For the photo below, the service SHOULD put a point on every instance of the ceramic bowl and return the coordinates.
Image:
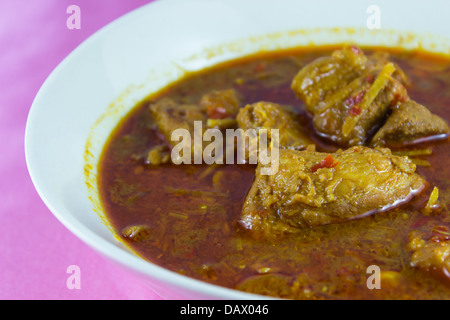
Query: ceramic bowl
(100, 81)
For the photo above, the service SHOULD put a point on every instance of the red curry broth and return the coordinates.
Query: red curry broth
(190, 211)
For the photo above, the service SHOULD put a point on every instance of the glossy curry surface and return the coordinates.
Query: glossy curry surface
(185, 217)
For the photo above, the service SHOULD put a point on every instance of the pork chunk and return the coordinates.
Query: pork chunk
(220, 104)
(353, 120)
(432, 255)
(409, 123)
(349, 94)
(312, 189)
(215, 109)
(321, 78)
(268, 115)
(170, 115)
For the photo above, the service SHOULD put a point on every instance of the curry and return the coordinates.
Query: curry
(363, 178)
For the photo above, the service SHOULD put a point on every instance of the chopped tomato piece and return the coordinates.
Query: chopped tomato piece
(217, 112)
(355, 111)
(328, 162)
(260, 67)
(356, 99)
(370, 78)
(398, 97)
(439, 238)
(441, 229)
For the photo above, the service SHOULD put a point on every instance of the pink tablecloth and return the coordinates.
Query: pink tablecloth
(35, 249)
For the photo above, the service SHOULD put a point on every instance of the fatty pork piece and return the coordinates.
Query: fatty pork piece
(268, 115)
(312, 189)
(221, 104)
(170, 115)
(215, 105)
(432, 255)
(323, 78)
(409, 123)
(215, 109)
(350, 94)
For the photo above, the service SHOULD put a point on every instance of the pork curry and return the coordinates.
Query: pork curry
(363, 178)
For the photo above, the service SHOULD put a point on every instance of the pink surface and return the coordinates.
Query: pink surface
(35, 248)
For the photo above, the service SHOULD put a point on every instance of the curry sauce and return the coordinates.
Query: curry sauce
(185, 217)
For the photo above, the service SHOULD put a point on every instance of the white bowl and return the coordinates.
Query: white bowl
(99, 82)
